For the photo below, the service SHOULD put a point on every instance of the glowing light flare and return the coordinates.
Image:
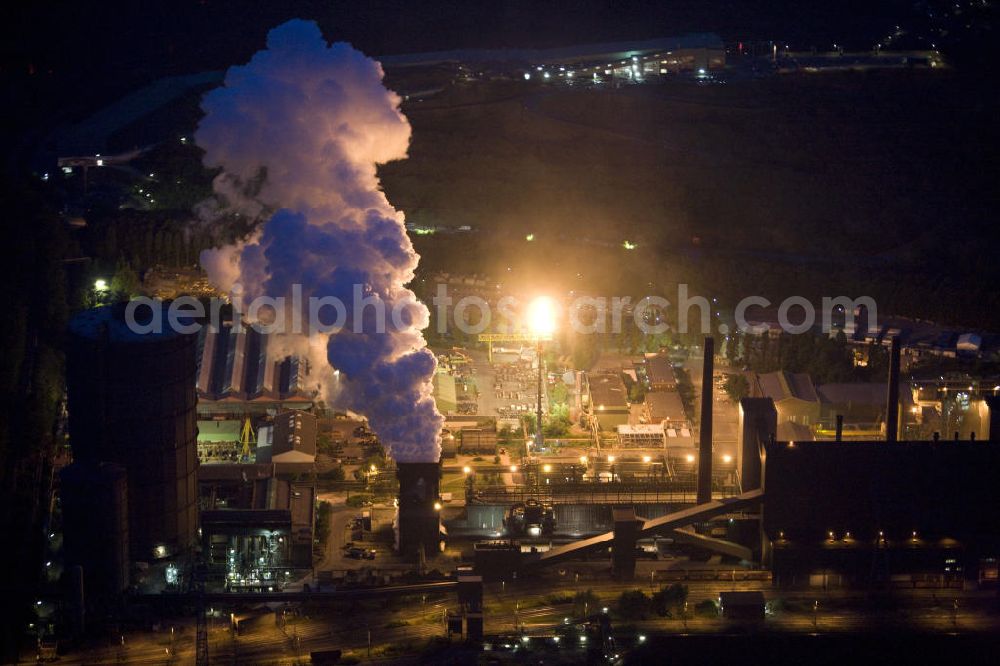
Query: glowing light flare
(542, 317)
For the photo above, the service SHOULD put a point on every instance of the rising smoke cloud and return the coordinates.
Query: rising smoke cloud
(315, 120)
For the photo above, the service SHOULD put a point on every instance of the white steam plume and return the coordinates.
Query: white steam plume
(314, 120)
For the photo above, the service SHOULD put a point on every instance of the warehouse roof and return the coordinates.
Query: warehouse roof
(659, 370)
(784, 385)
(607, 391)
(665, 406)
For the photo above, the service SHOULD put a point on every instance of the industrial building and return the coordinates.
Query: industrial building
(665, 406)
(249, 513)
(793, 394)
(860, 404)
(881, 513)
(219, 441)
(243, 371)
(607, 400)
(132, 403)
(479, 441)
(642, 436)
(688, 52)
(291, 438)
(660, 373)
(807, 411)
(864, 513)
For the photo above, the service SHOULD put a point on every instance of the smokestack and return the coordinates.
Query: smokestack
(892, 402)
(840, 427)
(705, 443)
(758, 421)
(419, 522)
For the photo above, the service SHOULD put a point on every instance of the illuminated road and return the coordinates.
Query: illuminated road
(537, 608)
(837, 611)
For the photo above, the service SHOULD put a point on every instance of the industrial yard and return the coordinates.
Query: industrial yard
(601, 334)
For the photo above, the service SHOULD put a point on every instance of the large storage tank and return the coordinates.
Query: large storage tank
(95, 528)
(132, 402)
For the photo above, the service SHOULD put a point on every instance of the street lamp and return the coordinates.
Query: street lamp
(542, 322)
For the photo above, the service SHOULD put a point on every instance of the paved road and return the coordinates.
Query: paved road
(334, 558)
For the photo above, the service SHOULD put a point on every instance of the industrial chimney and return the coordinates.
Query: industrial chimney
(705, 443)
(419, 522)
(892, 402)
(758, 423)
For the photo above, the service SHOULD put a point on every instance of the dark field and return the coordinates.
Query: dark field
(876, 183)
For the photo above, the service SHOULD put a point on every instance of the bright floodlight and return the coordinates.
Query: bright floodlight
(100, 285)
(542, 317)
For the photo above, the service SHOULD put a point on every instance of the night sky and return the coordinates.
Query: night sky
(63, 58)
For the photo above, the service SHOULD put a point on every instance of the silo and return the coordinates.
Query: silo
(95, 529)
(132, 402)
